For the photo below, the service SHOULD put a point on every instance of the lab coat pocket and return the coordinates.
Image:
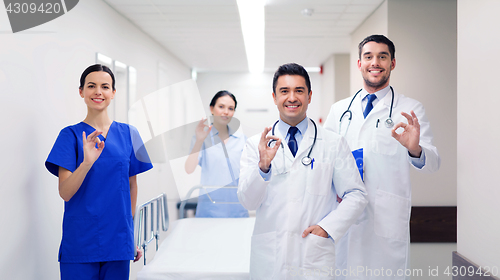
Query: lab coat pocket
(319, 255)
(80, 238)
(392, 215)
(263, 256)
(319, 178)
(384, 143)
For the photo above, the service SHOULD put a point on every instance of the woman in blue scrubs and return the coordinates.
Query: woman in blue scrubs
(97, 162)
(217, 150)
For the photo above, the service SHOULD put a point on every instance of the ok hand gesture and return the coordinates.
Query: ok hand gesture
(90, 152)
(410, 137)
(267, 153)
(202, 130)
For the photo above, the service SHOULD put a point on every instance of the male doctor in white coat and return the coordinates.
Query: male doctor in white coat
(296, 224)
(377, 246)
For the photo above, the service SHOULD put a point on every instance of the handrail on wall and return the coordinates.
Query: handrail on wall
(140, 222)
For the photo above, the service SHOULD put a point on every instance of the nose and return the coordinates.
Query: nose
(292, 97)
(376, 61)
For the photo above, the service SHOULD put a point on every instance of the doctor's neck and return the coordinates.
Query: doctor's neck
(98, 119)
(374, 89)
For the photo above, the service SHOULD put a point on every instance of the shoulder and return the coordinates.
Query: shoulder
(74, 130)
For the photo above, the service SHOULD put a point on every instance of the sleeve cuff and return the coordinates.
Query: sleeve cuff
(417, 162)
(266, 176)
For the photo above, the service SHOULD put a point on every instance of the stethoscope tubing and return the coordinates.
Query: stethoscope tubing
(307, 159)
(389, 122)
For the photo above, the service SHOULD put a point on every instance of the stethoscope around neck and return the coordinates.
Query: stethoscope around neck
(388, 122)
(307, 159)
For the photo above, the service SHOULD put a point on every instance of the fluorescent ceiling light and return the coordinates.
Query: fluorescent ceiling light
(313, 69)
(253, 26)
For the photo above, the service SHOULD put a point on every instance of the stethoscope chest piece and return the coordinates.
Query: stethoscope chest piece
(389, 123)
(306, 161)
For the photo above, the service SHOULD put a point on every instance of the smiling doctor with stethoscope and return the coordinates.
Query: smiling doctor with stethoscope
(394, 133)
(293, 184)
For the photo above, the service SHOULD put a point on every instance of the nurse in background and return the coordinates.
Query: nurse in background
(97, 162)
(217, 150)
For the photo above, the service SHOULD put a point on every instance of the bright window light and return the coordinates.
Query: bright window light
(253, 26)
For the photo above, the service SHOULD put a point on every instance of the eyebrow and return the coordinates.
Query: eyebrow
(367, 53)
(282, 88)
(96, 84)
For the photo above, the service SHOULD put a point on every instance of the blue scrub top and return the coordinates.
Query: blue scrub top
(97, 223)
(215, 172)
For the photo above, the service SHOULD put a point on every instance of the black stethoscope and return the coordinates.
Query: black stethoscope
(388, 122)
(307, 159)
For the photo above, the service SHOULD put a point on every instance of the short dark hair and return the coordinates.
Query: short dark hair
(221, 94)
(291, 69)
(96, 68)
(381, 39)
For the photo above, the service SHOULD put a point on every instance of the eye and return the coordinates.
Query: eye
(232, 109)
(91, 86)
(106, 87)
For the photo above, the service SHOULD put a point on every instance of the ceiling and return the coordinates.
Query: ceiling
(206, 34)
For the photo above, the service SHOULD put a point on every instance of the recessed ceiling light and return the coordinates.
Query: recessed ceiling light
(307, 12)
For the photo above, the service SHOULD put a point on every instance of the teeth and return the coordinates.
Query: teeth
(294, 106)
(375, 71)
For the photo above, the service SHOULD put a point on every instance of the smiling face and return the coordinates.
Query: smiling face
(292, 98)
(223, 110)
(97, 91)
(376, 65)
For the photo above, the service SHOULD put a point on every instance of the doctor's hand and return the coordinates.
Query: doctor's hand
(202, 130)
(139, 254)
(410, 137)
(316, 230)
(90, 152)
(266, 153)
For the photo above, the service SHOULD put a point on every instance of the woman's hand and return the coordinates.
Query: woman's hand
(90, 152)
(202, 130)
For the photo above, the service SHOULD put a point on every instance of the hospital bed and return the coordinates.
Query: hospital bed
(198, 248)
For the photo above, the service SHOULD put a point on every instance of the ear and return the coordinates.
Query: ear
(309, 96)
(81, 92)
(393, 64)
(212, 109)
(359, 64)
(274, 98)
(113, 96)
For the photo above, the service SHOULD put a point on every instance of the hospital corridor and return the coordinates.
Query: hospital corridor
(249, 139)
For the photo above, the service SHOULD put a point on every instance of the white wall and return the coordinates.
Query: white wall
(335, 81)
(424, 33)
(342, 76)
(39, 76)
(478, 135)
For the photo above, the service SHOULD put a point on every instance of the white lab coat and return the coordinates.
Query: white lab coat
(289, 203)
(380, 238)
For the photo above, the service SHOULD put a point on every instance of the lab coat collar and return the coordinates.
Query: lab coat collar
(307, 138)
(385, 101)
(302, 126)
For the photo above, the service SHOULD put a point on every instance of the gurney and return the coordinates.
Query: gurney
(202, 248)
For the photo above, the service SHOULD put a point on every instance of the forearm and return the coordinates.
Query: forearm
(192, 160)
(70, 182)
(133, 193)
